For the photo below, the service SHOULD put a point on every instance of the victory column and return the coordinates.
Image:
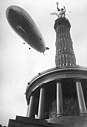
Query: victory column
(58, 96)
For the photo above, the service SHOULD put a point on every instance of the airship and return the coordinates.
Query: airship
(25, 27)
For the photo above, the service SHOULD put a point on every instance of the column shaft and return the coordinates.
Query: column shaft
(41, 104)
(27, 115)
(30, 110)
(59, 100)
(81, 101)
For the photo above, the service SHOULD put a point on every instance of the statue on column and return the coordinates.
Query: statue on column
(61, 12)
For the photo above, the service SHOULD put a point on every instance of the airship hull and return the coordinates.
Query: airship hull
(24, 26)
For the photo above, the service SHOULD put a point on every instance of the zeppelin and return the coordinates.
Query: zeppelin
(24, 26)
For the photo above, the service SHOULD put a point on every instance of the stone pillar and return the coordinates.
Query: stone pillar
(81, 101)
(27, 111)
(41, 104)
(59, 100)
(30, 110)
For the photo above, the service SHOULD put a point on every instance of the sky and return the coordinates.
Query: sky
(18, 64)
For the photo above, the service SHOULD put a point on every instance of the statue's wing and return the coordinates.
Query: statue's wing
(54, 13)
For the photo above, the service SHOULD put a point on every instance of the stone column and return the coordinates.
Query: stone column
(27, 111)
(30, 110)
(81, 101)
(41, 104)
(59, 100)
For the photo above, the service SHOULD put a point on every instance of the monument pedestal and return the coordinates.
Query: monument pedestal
(31, 122)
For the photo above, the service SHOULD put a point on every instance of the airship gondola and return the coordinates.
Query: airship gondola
(24, 26)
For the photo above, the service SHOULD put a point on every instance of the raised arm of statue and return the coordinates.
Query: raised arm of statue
(61, 12)
(57, 6)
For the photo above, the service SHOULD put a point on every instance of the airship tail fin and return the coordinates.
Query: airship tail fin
(47, 48)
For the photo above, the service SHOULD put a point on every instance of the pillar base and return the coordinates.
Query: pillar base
(59, 115)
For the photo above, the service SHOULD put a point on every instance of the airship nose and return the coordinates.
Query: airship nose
(8, 12)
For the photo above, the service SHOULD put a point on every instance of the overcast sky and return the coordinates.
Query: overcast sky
(18, 64)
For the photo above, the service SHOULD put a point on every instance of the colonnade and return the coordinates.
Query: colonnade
(59, 101)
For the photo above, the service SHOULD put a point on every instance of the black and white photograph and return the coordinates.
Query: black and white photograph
(43, 63)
